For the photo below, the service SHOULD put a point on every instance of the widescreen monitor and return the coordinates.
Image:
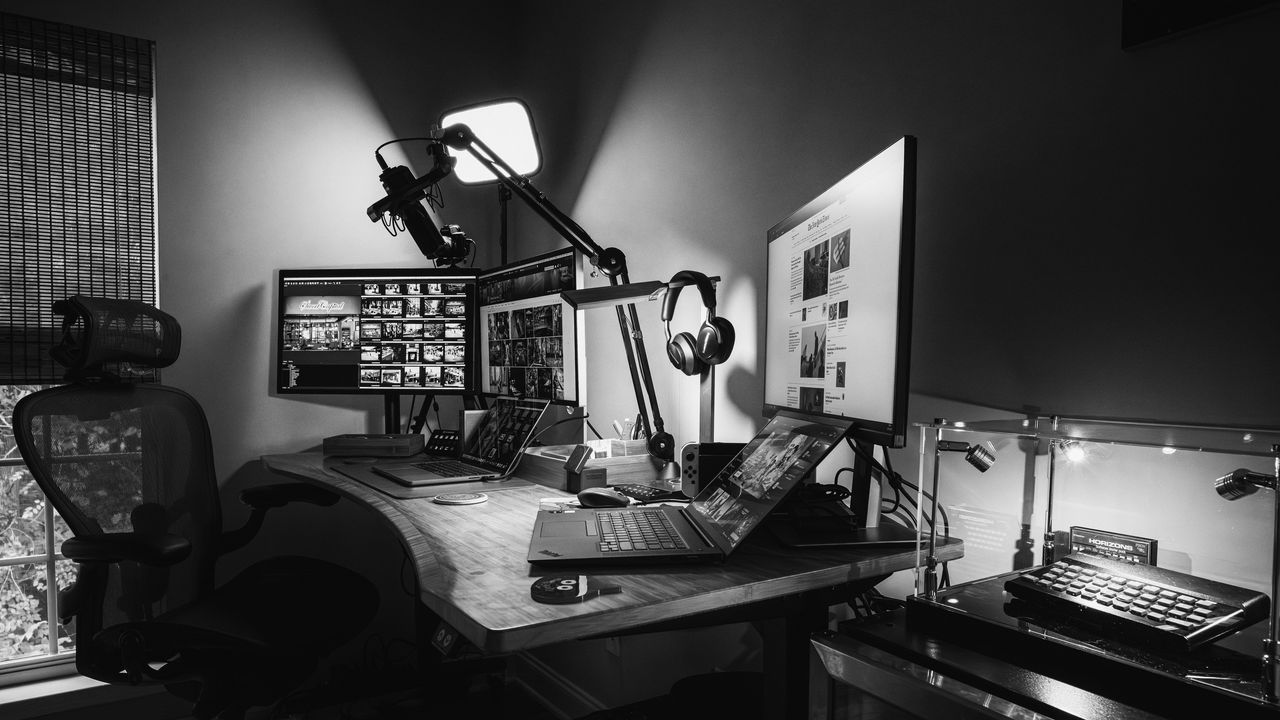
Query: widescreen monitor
(528, 335)
(376, 331)
(838, 300)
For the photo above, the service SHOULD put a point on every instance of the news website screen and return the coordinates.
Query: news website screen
(832, 326)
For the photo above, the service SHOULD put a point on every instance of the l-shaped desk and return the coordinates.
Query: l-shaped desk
(472, 572)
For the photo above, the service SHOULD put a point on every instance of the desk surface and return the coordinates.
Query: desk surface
(472, 571)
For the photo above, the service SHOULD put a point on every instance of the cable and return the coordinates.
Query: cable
(592, 427)
(377, 151)
(561, 421)
(836, 478)
(409, 587)
(895, 480)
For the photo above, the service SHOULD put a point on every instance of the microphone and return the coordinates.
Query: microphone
(403, 202)
(1242, 482)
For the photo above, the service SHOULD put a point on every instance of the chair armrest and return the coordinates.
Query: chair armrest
(156, 550)
(271, 496)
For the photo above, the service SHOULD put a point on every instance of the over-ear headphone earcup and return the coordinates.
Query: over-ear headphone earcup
(682, 350)
(715, 341)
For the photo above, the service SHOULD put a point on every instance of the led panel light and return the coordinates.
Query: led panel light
(506, 126)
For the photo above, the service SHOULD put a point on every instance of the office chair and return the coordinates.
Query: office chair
(129, 467)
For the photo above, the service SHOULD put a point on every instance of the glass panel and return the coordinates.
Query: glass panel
(22, 516)
(65, 571)
(24, 632)
(9, 396)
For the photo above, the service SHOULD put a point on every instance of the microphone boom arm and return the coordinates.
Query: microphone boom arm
(610, 261)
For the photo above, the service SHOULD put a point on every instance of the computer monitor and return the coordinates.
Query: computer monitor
(376, 331)
(838, 300)
(528, 335)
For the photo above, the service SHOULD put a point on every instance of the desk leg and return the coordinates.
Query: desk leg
(786, 657)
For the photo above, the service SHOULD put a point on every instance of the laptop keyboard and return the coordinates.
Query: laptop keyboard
(450, 467)
(630, 530)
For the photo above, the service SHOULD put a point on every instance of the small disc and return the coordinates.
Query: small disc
(460, 498)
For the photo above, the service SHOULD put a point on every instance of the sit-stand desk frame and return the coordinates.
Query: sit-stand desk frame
(472, 572)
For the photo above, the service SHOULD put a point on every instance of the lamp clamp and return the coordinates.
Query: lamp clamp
(611, 261)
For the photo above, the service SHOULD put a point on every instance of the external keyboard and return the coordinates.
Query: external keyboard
(1168, 609)
(647, 493)
(637, 529)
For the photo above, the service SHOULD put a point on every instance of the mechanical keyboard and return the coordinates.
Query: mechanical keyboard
(637, 529)
(1168, 609)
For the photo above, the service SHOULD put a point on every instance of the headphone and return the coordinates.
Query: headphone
(714, 339)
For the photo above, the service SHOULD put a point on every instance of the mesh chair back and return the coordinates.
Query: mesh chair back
(128, 458)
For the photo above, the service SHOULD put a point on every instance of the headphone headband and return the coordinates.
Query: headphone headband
(705, 288)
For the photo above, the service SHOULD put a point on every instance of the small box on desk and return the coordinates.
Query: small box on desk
(364, 445)
(623, 461)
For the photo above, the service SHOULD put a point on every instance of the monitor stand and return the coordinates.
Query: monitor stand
(391, 411)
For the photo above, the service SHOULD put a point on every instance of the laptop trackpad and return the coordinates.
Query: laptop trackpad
(565, 528)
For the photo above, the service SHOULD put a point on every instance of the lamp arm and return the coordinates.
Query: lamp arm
(610, 261)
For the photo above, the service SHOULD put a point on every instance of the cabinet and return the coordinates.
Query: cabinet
(1024, 492)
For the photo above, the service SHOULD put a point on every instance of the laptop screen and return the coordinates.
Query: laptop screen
(764, 472)
(503, 432)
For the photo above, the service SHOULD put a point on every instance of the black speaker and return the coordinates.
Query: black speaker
(701, 462)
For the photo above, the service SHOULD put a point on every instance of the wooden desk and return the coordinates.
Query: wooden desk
(472, 572)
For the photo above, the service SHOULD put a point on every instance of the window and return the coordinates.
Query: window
(30, 533)
(77, 216)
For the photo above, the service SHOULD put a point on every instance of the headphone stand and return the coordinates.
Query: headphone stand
(707, 404)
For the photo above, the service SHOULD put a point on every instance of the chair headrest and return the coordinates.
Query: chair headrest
(97, 332)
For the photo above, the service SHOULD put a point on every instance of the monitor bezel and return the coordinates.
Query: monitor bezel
(890, 433)
(452, 274)
(579, 268)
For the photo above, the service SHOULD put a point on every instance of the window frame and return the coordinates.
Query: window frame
(80, 165)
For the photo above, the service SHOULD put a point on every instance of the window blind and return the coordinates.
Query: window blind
(77, 197)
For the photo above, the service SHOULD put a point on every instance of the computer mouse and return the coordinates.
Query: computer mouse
(601, 497)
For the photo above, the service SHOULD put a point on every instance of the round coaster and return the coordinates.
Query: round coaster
(460, 498)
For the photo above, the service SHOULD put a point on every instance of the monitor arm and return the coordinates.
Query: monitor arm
(609, 261)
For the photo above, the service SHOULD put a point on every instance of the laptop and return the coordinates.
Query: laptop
(491, 453)
(713, 524)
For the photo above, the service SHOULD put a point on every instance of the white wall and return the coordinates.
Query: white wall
(1093, 223)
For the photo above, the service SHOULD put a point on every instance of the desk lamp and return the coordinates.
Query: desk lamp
(402, 208)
